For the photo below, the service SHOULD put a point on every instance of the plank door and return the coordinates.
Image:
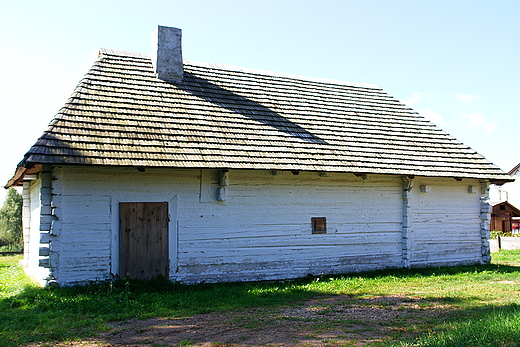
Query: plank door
(143, 240)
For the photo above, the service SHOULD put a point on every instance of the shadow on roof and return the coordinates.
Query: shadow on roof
(224, 98)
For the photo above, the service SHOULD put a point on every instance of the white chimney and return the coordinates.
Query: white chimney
(167, 53)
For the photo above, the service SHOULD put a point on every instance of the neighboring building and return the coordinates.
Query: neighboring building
(503, 197)
(505, 218)
(515, 171)
(203, 172)
(509, 192)
(513, 189)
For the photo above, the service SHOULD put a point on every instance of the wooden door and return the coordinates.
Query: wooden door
(143, 244)
(506, 225)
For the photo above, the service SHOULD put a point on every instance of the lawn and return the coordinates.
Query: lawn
(447, 306)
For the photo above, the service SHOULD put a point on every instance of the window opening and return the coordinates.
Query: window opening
(319, 225)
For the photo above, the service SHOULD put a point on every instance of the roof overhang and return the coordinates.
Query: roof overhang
(500, 182)
(23, 173)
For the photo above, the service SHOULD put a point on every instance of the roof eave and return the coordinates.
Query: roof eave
(21, 172)
(501, 181)
(25, 168)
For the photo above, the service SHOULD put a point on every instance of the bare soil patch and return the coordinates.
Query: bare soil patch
(333, 321)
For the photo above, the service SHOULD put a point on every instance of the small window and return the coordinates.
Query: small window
(319, 225)
(502, 207)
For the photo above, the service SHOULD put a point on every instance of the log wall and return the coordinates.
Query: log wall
(256, 225)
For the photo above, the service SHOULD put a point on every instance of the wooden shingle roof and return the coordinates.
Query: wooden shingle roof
(231, 118)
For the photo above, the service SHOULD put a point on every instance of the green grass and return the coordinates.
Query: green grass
(492, 327)
(494, 324)
(486, 300)
(12, 278)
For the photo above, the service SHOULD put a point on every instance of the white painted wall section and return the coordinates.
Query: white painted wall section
(32, 231)
(445, 223)
(262, 229)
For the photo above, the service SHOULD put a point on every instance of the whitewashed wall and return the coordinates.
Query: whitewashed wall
(263, 228)
(32, 213)
(514, 190)
(446, 222)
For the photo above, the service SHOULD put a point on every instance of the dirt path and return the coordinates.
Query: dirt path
(331, 321)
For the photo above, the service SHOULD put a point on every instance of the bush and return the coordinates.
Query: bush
(495, 233)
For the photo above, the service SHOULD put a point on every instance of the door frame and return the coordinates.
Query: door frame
(172, 226)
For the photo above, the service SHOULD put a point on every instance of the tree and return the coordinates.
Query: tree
(11, 220)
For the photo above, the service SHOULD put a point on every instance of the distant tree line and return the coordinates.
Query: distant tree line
(11, 237)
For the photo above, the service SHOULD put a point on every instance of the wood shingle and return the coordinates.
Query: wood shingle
(229, 118)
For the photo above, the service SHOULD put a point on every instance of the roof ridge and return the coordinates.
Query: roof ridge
(123, 53)
(229, 67)
(235, 68)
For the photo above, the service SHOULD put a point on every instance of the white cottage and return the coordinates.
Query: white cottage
(203, 172)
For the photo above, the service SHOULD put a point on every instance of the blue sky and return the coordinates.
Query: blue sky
(456, 62)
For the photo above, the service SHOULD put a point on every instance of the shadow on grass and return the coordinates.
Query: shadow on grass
(441, 270)
(59, 314)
